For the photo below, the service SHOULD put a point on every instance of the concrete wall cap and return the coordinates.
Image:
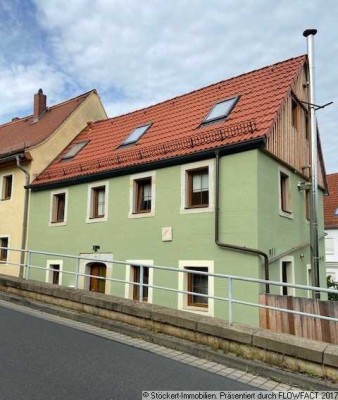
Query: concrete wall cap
(294, 346)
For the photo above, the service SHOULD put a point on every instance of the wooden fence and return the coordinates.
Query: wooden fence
(299, 325)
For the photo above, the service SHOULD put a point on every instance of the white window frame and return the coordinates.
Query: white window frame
(3, 187)
(184, 209)
(283, 213)
(92, 186)
(133, 194)
(182, 300)
(291, 260)
(128, 288)
(51, 205)
(49, 273)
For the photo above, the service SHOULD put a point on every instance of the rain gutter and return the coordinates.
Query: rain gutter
(234, 247)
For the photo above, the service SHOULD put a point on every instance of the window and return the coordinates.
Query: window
(58, 213)
(197, 187)
(221, 110)
(142, 195)
(307, 127)
(295, 114)
(287, 276)
(74, 150)
(136, 270)
(284, 194)
(133, 271)
(329, 245)
(54, 271)
(199, 285)
(135, 135)
(7, 183)
(3, 249)
(307, 204)
(98, 202)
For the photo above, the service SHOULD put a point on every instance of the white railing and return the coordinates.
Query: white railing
(230, 279)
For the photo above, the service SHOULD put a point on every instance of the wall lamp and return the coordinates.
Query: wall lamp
(96, 247)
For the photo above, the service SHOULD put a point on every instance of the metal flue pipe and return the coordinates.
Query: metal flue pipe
(314, 239)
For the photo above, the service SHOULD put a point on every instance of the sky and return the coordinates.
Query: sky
(138, 53)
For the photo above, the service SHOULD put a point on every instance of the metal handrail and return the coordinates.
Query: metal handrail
(230, 279)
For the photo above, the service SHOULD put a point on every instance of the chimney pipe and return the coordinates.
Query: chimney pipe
(314, 240)
(40, 104)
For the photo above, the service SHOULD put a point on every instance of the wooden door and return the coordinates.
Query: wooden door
(97, 284)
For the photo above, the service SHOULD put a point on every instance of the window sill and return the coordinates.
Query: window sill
(197, 210)
(133, 215)
(197, 310)
(57, 223)
(286, 214)
(96, 219)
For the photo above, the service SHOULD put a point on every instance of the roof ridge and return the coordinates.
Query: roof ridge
(19, 119)
(207, 86)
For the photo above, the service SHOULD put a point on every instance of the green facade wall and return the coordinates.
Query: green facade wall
(249, 183)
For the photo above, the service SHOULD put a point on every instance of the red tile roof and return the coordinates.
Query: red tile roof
(331, 202)
(176, 128)
(23, 133)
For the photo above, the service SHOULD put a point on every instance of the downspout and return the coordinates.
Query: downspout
(232, 246)
(25, 216)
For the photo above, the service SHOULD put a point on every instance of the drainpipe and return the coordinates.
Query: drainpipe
(25, 216)
(232, 246)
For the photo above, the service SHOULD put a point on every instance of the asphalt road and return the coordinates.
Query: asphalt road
(40, 359)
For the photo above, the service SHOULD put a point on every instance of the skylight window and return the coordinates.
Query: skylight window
(221, 110)
(136, 134)
(74, 150)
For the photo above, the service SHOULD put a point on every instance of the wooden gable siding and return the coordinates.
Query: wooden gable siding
(291, 145)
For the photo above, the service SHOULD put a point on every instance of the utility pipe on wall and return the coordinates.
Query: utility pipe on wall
(25, 216)
(232, 246)
(314, 247)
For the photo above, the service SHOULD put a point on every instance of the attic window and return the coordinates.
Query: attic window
(74, 150)
(221, 109)
(136, 134)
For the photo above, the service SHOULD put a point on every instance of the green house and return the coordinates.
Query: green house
(206, 182)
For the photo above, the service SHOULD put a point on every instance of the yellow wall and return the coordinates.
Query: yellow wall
(12, 210)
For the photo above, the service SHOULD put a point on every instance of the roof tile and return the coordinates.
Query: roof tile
(23, 133)
(177, 127)
(331, 202)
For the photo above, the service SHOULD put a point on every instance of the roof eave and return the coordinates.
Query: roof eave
(225, 150)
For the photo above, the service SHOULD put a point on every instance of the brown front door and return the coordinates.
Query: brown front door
(97, 284)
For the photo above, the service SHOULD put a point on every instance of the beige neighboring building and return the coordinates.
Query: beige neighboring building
(27, 146)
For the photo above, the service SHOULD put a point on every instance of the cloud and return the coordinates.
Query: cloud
(139, 53)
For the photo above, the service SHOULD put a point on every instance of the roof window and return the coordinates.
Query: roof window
(136, 134)
(221, 109)
(74, 150)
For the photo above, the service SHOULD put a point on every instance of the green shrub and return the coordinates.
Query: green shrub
(331, 284)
